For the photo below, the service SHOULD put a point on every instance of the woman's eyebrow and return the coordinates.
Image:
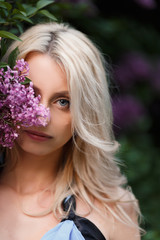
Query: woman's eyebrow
(55, 95)
(60, 94)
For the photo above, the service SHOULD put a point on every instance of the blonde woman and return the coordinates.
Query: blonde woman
(62, 181)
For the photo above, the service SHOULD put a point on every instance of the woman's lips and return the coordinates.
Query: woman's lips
(38, 136)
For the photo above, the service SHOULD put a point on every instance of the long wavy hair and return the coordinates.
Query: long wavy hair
(89, 168)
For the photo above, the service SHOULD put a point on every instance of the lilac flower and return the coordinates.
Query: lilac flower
(18, 105)
(1, 71)
(150, 4)
(21, 67)
(127, 111)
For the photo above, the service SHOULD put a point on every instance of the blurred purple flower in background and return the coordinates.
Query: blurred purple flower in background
(150, 4)
(132, 67)
(91, 8)
(127, 111)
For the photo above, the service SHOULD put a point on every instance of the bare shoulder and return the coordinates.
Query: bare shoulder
(98, 218)
(127, 205)
(127, 201)
(112, 227)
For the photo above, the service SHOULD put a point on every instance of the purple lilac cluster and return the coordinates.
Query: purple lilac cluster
(150, 4)
(133, 67)
(127, 110)
(133, 71)
(19, 107)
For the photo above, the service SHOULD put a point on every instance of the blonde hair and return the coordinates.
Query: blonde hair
(89, 169)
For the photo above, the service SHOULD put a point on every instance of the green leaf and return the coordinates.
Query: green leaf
(6, 5)
(6, 34)
(17, 11)
(20, 7)
(3, 64)
(22, 17)
(30, 10)
(12, 57)
(47, 14)
(3, 48)
(23, 13)
(43, 3)
(20, 27)
(27, 80)
(2, 20)
(4, 13)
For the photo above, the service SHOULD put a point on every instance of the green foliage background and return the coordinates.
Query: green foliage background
(115, 36)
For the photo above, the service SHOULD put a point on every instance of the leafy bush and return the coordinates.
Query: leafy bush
(15, 14)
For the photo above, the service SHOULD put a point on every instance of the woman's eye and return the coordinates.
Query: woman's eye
(64, 103)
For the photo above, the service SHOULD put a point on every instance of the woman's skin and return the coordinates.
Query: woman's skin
(40, 153)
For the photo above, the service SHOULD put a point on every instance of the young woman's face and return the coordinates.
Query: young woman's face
(50, 82)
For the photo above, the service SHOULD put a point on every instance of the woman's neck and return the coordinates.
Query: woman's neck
(31, 173)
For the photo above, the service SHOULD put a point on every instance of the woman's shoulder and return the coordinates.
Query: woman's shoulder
(127, 200)
(130, 229)
(126, 224)
(109, 221)
(104, 225)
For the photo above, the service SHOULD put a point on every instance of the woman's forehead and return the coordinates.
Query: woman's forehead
(46, 74)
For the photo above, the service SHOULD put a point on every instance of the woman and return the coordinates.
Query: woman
(65, 182)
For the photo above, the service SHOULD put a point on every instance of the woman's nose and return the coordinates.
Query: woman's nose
(43, 101)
